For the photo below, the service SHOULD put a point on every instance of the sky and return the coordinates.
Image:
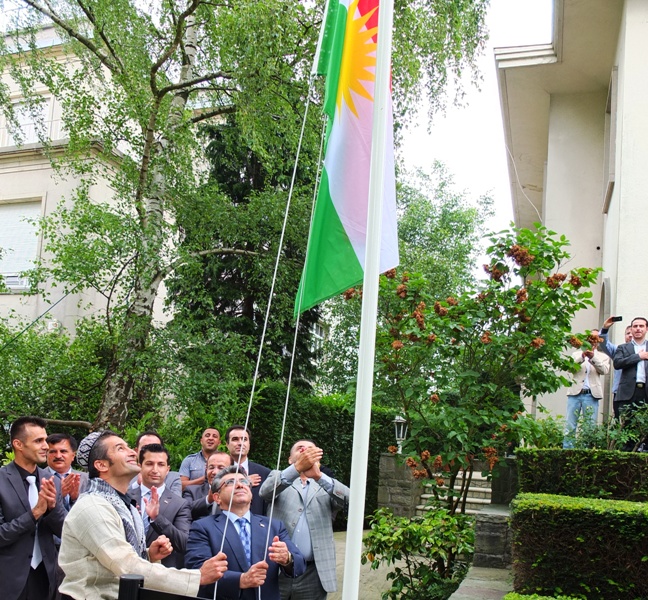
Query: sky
(470, 139)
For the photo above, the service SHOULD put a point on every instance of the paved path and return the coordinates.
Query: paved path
(372, 583)
(480, 584)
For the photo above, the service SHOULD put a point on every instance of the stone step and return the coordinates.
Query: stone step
(471, 503)
(478, 480)
(482, 493)
(477, 492)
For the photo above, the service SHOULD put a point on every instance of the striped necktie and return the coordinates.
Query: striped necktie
(245, 538)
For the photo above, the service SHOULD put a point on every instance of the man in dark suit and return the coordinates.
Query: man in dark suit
(631, 358)
(31, 513)
(237, 439)
(172, 481)
(163, 512)
(200, 497)
(246, 538)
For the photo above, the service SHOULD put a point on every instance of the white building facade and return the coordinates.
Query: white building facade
(575, 116)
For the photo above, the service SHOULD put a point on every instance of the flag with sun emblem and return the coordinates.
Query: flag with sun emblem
(335, 256)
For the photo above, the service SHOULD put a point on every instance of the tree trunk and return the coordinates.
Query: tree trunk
(122, 377)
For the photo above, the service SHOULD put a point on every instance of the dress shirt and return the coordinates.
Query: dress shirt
(641, 365)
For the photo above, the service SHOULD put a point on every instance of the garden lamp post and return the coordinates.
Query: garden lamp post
(400, 429)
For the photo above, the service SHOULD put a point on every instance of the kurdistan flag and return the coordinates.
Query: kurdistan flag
(336, 251)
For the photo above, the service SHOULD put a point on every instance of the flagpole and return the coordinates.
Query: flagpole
(367, 348)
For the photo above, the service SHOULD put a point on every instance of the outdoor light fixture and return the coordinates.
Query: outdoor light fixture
(400, 429)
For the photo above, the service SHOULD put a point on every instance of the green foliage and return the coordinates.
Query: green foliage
(135, 84)
(458, 366)
(625, 433)
(439, 233)
(584, 473)
(533, 432)
(51, 374)
(423, 550)
(224, 296)
(588, 548)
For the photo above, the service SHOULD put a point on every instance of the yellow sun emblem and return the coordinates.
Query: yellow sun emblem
(358, 57)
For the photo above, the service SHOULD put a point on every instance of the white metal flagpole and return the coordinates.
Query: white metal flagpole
(367, 348)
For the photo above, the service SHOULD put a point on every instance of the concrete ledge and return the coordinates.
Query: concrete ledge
(484, 584)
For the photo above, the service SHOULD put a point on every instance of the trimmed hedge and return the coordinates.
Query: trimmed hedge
(584, 473)
(329, 422)
(514, 596)
(590, 548)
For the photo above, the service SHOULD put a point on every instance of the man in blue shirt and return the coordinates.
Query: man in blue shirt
(609, 348)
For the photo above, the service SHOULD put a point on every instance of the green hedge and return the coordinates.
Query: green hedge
(514, 596)
(584, 473)
(329, 422)
(590, 548)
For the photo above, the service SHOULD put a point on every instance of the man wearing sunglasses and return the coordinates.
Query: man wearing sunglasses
(256, 547)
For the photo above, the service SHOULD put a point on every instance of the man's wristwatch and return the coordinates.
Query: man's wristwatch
(291, 560)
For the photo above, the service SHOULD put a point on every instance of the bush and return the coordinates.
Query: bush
(584, 473)
(584, 547)
(435, 548)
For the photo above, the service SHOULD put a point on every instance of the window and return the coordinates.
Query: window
(29, 124)
(18, 240)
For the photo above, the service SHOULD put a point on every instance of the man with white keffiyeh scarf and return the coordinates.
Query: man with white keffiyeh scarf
(103, 534)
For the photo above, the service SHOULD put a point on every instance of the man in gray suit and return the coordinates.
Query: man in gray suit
(163, 512)
(30, 515)
(172, 480)
(61, 452)
(306, 500)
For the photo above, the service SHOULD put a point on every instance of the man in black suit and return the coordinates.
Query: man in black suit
(237, 439)
(632, 359)
(163, 512)
(31, 513)
(200, 497)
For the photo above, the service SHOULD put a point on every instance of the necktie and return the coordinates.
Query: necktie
(37, 556)
(245, 538)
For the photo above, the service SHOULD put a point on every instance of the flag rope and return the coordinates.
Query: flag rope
(265, 324)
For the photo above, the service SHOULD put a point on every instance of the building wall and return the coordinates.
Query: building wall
(573, 193)
(26, 174)
(628, 215)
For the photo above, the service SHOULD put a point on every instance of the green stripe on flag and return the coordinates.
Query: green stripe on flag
(331, 53)
(331, 265)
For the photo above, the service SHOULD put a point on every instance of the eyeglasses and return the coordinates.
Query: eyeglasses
(233, 482)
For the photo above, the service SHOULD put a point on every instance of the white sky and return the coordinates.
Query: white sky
(470, 139)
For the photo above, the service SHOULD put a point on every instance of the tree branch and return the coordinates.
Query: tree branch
(66, 423)
(226, 110)
(181, 261)
(50, 14)
(191, 82)
(88, 13)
